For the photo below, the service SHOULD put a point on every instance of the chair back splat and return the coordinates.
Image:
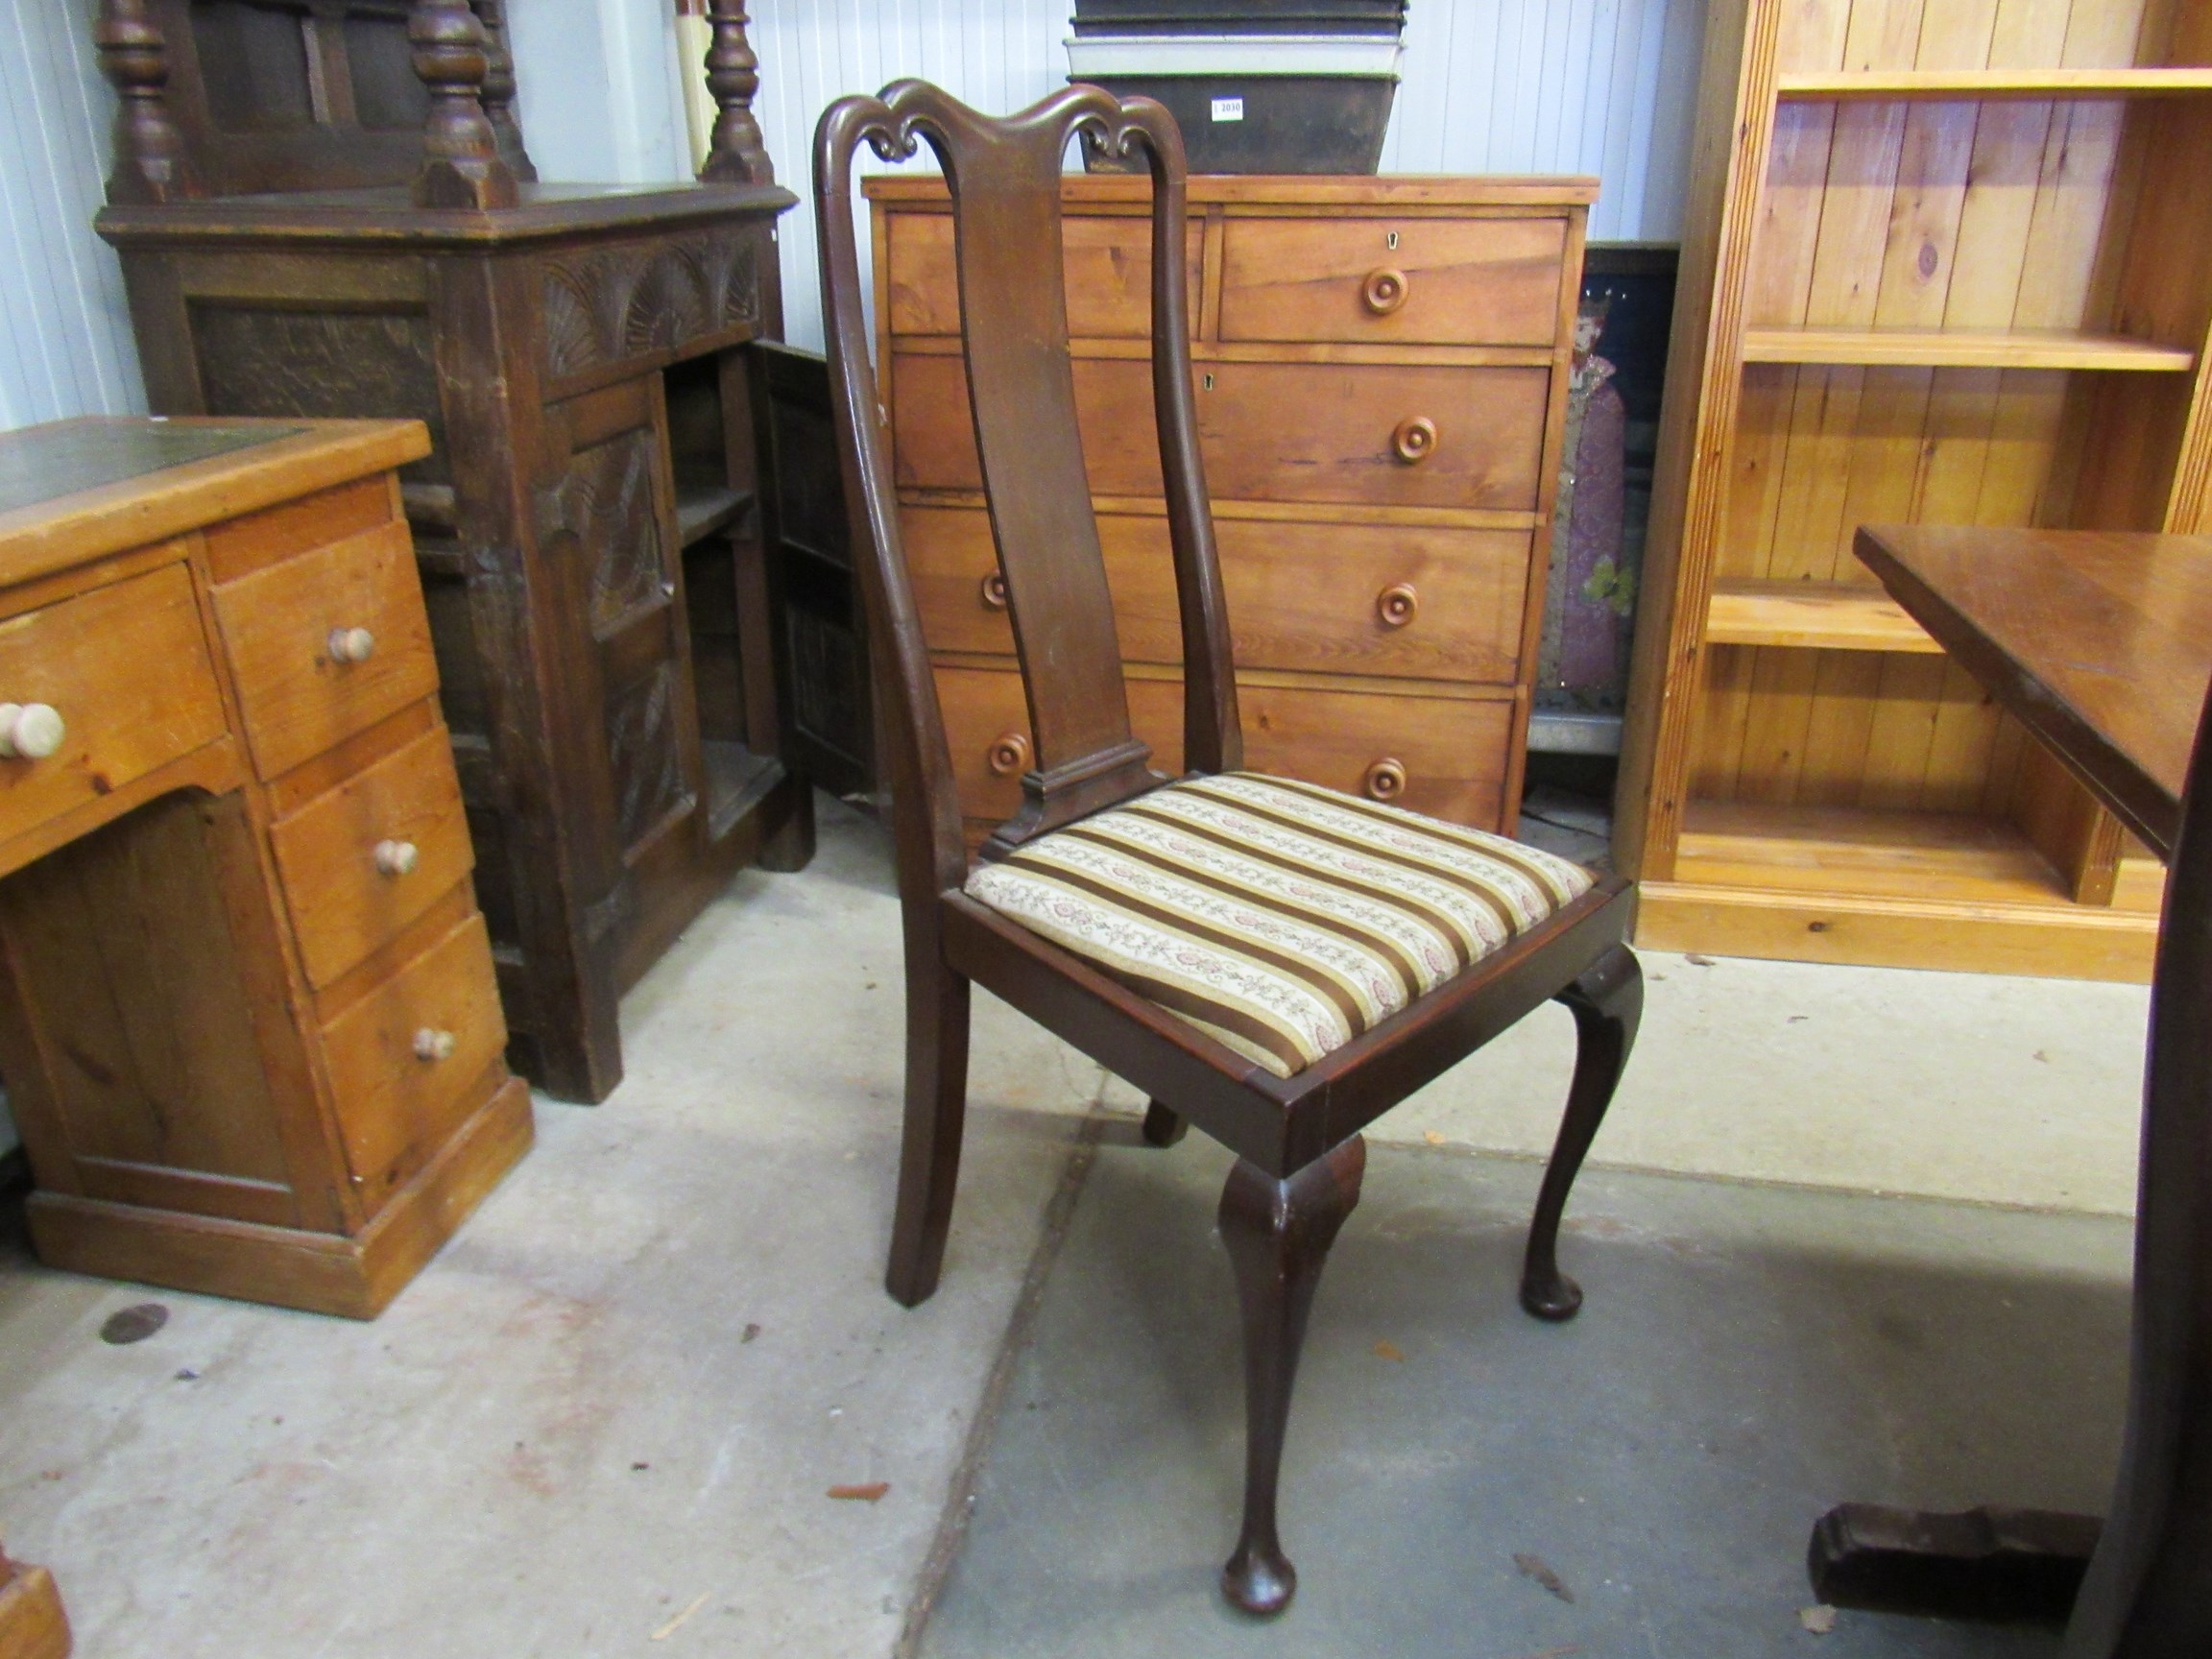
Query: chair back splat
(1005, 176)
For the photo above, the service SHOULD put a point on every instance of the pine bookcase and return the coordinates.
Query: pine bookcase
(1946, 262)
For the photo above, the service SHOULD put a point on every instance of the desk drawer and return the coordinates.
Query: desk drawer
(1413, 435)
(1394, 600)
(1427, 282)
(406, 1061)
(1444, 755)
(125, 668)
(302, 694)
(362, 861)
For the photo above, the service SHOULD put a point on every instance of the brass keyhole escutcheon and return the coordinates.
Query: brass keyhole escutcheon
(1386, 779)
(1391, 241)
(1209, 383)
(995, 590)
(1398, 605)
(1415, 439)
(1009, 753)
(1383, 291)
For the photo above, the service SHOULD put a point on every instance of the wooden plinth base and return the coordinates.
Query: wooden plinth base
(2004, 1564)
(31, 1622)
(318, 1272)
(2055, 941)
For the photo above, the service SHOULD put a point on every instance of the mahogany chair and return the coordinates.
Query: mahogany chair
(1277, 963)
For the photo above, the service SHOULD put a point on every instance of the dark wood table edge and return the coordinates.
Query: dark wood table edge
(2146, 812)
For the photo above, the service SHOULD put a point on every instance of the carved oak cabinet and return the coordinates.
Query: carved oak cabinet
(585, 525)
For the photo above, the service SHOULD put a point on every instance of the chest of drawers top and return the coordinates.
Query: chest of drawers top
(1470, 262)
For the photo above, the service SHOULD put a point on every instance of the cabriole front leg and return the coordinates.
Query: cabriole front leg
(1607, 1001)
(1278, 1235)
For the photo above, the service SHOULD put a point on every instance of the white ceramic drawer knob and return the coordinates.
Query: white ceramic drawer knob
(29, 731)
(352, 644)
(433, 1045)
(395, 857)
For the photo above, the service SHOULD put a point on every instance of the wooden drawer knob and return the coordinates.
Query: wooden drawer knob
(352, 644)
(29, 731)
(1398, 605)
(395, 857)
(1009, 753)
(1415, 439)
(1386, 779)
(995, 590)
(1383, 291)
(433, 1045)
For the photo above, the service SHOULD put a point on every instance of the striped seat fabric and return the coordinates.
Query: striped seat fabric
(1278, 918)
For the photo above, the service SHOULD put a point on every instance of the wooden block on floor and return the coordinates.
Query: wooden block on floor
(33, 1625)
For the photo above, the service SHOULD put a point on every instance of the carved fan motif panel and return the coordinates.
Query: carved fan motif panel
(644, 745)
(605, 501)
(604, 306)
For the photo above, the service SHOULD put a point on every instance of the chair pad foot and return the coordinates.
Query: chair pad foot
(1259, 1582)
(1556, 1301)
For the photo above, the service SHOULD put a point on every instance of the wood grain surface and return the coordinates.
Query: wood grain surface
(2101, 641)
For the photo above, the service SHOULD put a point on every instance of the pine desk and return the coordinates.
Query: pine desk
(248, 1019)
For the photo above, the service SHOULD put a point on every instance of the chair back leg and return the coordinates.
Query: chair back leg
(936, 1110)
(1607, 1001)
(1278, 1235)
(1164, 1125)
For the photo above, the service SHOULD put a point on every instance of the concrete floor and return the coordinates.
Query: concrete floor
(568, 1438)
(1747, 1357)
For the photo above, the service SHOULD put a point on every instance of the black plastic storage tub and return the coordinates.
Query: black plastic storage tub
(1301, 86)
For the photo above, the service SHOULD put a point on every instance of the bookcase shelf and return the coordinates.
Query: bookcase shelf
(1978, 84)
(1815, 615)
(1966, 348)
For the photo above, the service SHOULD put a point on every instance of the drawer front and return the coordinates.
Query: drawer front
(1109, 262)
(1311, 598)
(127, 669)
(299, 694)
(1451, 752)
(1445, 757)
(1356, 434)
(1427, 282)
(363, 860)
(987, 726)
(393, 1101)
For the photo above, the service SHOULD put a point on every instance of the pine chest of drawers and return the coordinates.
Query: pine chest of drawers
(249, 1017)
(1381, 376)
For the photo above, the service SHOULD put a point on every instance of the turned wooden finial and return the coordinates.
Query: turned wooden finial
(152, 164)
(735, 154)
(499, 89)
(462, 166)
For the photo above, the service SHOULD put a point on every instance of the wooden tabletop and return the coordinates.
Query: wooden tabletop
(78, 489)
(2099, 642)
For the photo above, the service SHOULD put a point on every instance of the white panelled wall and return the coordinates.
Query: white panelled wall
(64, 337)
